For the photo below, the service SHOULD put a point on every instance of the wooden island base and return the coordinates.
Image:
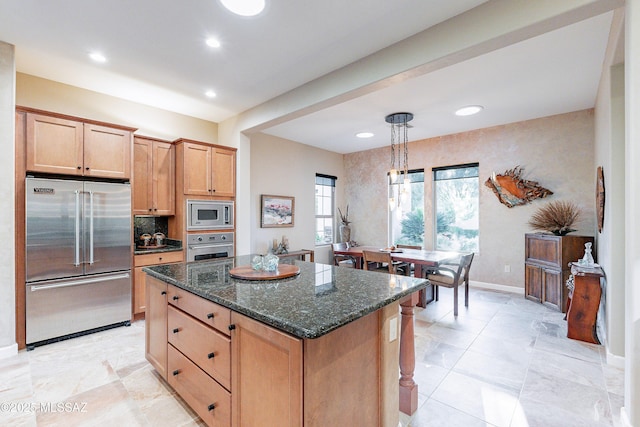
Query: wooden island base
(348, 377)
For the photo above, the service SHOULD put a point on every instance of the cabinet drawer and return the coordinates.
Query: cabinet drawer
(205, 396)
(209, 313)
(158, 258)
(208, 349)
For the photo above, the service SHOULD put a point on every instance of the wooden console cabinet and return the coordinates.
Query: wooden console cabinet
(547, 259)
(584, 302)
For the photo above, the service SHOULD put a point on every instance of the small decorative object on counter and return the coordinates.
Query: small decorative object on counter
(257, 263)
(159, 238)
(587, 259)
(270, 263)
(146, 239)
(282, 247)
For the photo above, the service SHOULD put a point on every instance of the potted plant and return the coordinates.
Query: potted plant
(556, 217)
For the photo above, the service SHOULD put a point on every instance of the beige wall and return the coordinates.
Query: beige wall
(556, 151)
(35, 92)
(8, 344)
(286, 168)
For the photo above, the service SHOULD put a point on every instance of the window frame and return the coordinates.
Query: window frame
(322, 180)
(435, 171)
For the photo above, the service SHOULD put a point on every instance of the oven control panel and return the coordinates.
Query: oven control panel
(202, 238)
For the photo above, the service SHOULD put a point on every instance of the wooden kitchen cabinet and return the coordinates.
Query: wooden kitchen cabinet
(547, 259)
(234, 370)
(278, 372)
(153, 177)
(206, 170)
(139, 276)
(156, 325)
(62, 145)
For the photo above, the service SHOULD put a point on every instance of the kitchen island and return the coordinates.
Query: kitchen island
(317, 349)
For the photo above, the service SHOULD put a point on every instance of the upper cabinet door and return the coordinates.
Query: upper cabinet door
(142, 176)
(54, 145)
(197, 169)
(224, 172)
(164, 173)
(107, 152)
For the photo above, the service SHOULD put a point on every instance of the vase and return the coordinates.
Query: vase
(345, 233)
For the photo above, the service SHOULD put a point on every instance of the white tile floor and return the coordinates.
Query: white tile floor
(504, 361)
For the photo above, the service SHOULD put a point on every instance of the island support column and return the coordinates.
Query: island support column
(408, 388)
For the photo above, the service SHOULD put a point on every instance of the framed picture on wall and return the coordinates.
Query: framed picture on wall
(277, 211)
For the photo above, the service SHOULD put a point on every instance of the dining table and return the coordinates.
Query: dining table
(422, 260)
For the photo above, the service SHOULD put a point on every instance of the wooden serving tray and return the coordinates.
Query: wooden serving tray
(248, 273)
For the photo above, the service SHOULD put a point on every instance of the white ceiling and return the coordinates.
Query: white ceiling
(157, 56)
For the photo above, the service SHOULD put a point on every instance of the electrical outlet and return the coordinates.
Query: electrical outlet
(507, 268)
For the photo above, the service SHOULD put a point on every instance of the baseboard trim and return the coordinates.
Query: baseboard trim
(8, 351)
(496, 287)
(614, 360)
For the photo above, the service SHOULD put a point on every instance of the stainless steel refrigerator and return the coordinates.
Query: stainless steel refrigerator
(78, 256)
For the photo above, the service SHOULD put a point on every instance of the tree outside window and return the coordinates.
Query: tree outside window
(456, 193)
(406, 213)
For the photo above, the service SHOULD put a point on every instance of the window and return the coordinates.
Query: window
(325, 192)
(456, 196)
(406, 214)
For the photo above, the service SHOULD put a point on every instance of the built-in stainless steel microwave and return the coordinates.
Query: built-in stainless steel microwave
(209, 215)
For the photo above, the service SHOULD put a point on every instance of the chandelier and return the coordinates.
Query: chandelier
(399, 155)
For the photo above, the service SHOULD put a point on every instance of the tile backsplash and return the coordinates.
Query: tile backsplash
(149, 225)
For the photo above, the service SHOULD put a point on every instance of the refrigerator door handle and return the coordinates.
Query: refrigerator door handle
(79, 282)
(91, 227)
(76, 261)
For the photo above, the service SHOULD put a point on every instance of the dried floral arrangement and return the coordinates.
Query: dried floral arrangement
(344, 219)
(556, 217)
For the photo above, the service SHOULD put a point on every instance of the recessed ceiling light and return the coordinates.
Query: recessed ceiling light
(244, 7)
(364, 135)
(213, 42)
(98, 57)
(469, 110)
(210, 94)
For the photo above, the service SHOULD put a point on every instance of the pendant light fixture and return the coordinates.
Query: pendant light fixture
(399, 154)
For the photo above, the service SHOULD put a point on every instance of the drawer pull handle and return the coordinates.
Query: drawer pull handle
(210, 316)
(176, 372)
(163, 293)
(211, 407)
(176, 330)
(232, 327)
(176, 297)
(210, 355)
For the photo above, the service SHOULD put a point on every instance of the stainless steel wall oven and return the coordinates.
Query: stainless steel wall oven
(209, 245)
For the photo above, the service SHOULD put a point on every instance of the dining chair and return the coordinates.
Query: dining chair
(342, 260)
(378, 261)
(453, 276)
(407, 267)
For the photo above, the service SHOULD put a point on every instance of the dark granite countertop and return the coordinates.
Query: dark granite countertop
(172, 246)
(315, 302)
